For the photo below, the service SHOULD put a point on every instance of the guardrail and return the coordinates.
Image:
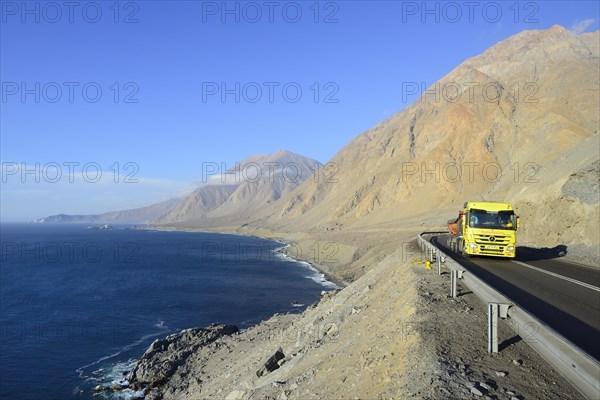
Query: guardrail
(575, 365)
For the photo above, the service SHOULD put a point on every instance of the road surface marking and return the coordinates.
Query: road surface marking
(587, 285)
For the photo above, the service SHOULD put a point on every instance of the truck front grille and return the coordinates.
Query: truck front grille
(492, 244)
(493, 240)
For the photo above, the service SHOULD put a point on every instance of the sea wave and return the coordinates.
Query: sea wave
(159, 324)
(115, 375)
(314, 273)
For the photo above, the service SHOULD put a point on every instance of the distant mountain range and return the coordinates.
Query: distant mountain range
(251, 184)
(142, 215)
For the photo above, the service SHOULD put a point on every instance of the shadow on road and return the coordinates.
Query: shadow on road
(543, 253)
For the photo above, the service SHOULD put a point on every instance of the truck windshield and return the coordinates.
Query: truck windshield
(492, 219)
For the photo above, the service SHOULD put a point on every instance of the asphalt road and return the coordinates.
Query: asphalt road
(563, 295)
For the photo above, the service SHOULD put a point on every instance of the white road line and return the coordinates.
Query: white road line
(575, 281)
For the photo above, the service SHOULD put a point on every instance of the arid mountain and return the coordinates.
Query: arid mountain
(198, 204)
(518, 123)
(141, 215)
(251, 184)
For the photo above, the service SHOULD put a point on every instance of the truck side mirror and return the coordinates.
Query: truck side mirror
(518, 222)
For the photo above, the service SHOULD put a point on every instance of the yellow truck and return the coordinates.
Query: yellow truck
(485, 228)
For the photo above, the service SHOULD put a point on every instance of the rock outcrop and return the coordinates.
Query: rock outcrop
(163, 357)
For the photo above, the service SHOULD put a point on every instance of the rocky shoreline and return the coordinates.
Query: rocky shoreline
(158, 364)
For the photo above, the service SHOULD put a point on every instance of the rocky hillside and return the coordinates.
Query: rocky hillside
(252, 183)
(142, 215)
(517, 123)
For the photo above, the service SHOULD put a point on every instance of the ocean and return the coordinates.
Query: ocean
(79, 305)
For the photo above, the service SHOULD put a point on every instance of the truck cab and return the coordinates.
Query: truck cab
(485, 228)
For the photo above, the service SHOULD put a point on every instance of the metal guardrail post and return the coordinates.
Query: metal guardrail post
(431, 254)
(453, 283)
(495, 310)
(493, 327)
(439, 264)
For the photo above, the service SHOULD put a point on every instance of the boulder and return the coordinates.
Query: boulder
(272, 363)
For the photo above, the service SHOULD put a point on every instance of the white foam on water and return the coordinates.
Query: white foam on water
(81, 370)
(113, 375)
(116, 374)
(108, 377)
(315, 274)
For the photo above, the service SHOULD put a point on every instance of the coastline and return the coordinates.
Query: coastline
(127, 387)
(327, 275)
(327, 279)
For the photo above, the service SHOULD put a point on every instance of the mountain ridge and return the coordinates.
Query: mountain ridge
(251, 183)
(140, 215)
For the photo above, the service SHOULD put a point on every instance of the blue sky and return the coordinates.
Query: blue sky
(152, 89)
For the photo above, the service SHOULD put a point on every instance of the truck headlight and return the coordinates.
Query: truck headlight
(510, 248)
(472, 245)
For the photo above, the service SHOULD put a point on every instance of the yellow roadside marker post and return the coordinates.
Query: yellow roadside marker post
(426, 262)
